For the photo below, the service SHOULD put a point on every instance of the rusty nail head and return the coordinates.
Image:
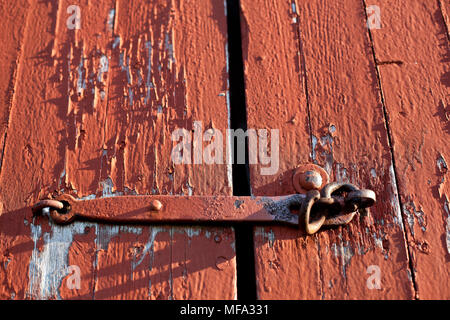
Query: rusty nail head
(155, 205)
(310, 180)
(309, 177)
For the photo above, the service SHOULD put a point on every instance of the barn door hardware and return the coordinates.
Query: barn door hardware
(335, 204)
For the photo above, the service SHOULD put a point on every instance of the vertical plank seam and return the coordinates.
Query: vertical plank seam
(444, 18)
(304, 78)
(11, 91)
(303, 74)
(246, 282)
(5, 136)
(391, 150)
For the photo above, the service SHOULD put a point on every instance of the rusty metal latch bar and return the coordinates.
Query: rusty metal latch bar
(335, 204)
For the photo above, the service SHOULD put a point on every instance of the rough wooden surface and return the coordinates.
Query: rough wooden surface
(327, 45)
(416, 92)
(91, 115)
(13, 25)
(90, 112)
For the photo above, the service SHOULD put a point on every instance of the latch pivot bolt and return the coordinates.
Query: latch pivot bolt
(309, 177)
(310, 180)
(155, 205)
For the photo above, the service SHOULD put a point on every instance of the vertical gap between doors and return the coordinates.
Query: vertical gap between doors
(245, 254)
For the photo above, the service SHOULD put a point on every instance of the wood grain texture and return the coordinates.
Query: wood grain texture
(92, 116)
(325, 45)
(90, 112)
(416, 93)
(13, 24)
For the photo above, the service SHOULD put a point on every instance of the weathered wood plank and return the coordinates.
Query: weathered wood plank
(42, 129)
(167, 263)
(272, 59)
(417, 97)
(349, 139)
(13, 24)
(32, 126)
(156, 87)
(82, 132)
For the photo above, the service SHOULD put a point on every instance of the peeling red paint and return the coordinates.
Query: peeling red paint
(91, 115)
(332, 87)
(89, 112)
(416, 97)
(14, 22)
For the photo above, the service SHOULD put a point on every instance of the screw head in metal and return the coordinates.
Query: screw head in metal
(155, 205)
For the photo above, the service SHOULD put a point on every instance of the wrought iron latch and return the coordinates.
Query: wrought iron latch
(335, 204)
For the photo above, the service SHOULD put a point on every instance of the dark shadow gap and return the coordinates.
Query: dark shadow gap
(2, 155)
(245, 254)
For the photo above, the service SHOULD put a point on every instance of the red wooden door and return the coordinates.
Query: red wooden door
(90, 112)
(369, 105)
(92, 91)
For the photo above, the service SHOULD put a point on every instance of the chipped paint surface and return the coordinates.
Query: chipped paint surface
(441, 164)
(102, 101)
(268, 237)
(420, 135)
(50, 265)
(345, 253)
(414, 215)
(345, 129)
(394, 198)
